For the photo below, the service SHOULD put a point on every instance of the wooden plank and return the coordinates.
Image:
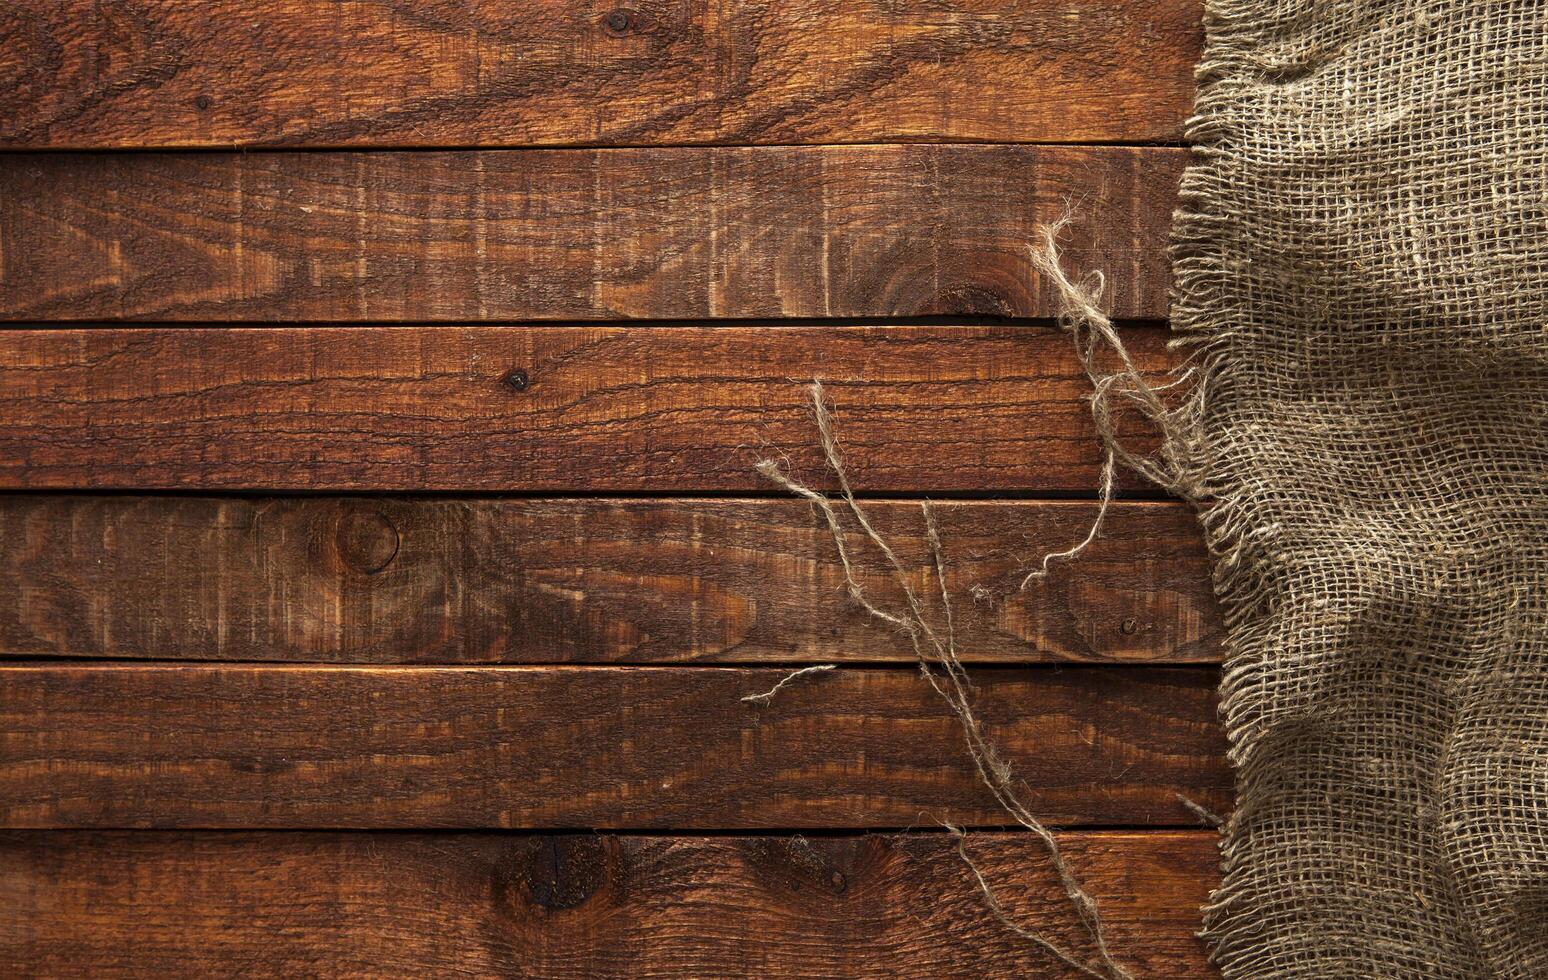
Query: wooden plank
(576, 234)
(593, 409)
(584, 906)
(609, 747)
(374, 580)
(158, 73)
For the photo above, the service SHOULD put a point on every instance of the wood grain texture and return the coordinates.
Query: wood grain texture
(155, 73)
(594, 409)
(378, 580)
(584, 906)
(576, 234)
(609, 747)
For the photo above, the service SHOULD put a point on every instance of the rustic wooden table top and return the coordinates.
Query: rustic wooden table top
(384, 563)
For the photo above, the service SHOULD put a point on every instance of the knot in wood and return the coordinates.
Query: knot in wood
(972, 300)
(621, 21)
(820, 867)
(562, 872)
(367, 541)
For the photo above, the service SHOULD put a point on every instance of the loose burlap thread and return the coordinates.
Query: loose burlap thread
(935, 648)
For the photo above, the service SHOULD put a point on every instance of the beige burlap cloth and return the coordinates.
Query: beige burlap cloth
(1362, 262)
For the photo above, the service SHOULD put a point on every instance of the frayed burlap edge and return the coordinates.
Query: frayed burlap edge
(1202, 260)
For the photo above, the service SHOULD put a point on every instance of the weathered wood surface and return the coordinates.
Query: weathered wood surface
(381, 580)
(584, 906)
(155, 73)
(593, 409)
(576, 234)
(608, 747)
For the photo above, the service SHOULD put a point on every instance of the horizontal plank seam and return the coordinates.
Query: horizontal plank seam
(1135, 497)
(909, 664)
(1084, 828)
(1114, 831)
(934, 321)
(278, 148)
(771, 668)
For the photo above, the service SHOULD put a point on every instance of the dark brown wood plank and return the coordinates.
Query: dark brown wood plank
(673, 409)
(379, 580)
(576, 234)
(612, 747)
(156, 73)
(584, 906)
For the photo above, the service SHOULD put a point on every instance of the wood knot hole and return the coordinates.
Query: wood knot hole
(367, 541)
(621, 21)
(565, 871)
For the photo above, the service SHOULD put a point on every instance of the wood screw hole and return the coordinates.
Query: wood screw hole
(516, 379)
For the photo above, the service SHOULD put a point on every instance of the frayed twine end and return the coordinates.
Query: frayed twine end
(768, 695)
(1206, 816)
(1174, 466)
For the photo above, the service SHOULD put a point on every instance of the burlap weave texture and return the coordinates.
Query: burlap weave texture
(1361, 263)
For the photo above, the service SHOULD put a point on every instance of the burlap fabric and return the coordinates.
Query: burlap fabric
(1361, 260)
